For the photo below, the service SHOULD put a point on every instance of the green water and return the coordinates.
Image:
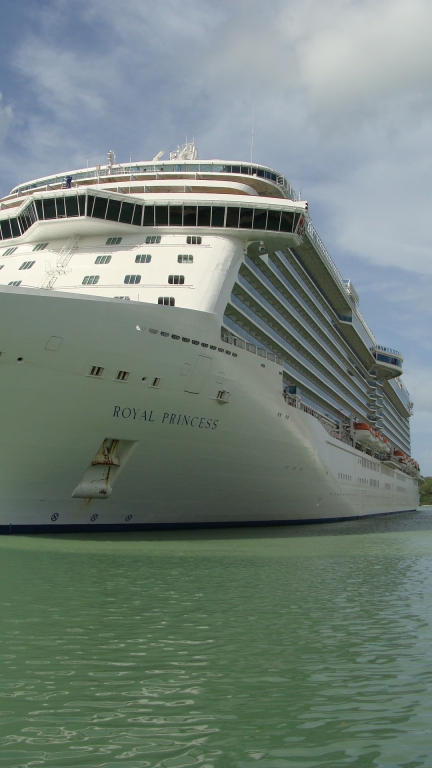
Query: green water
(258, 648)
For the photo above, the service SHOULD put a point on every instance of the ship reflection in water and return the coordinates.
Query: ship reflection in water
(273, 647)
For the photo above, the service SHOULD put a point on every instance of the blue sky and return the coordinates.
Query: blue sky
(342, 100)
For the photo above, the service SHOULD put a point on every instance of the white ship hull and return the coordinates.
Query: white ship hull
(185, 458)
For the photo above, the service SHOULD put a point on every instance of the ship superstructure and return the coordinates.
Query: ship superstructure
(235, 305)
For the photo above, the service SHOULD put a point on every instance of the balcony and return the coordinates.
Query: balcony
(388, 362)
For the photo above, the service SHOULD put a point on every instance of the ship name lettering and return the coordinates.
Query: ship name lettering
(126, 413)
(195, 421)
(201, 422)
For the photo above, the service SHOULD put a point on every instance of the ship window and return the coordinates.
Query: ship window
(165, 334)
(193, 240)
(149, 213)
(246, 216)
(61, 212)
(185, 258)
(15, 282)
(161, 215)
(90, 280)
(39, 211)
(167, 301)
(287, 221)
(122, 376)
(114, 241)
(273, 220)
(174, 336)
(218, 216)
(100, 207)
(96, 370)
(204, 212)
(239, 343)
(189, 215)
(127, 298)
(176, 280)
(40, 247)
(27, 264)
(175, 215)
(49, 208)
(81, 204)
(126, 213)
(5, 229)
(271, 356)
(137, 215)
(71, 206)
(251, 348)
(90, 203)
(103, 259)
(142, 258)
(150, 239)
(203, 344)
(15, 228)
(1, 266)
(113, 210)
(133, 279)
(232, 217)
(212, 347)
(10, 251)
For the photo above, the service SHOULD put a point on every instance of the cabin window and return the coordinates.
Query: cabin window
(142, 258)
(103, 259)
(176, 280)
(90, 280)
(40, 247)
(132, 279)
(185, 258)
(15, 282)
(114, 241)
(10, 251)
(193, 239)
(167, 301)
(27, 264)
(96, 370)
(150, 239)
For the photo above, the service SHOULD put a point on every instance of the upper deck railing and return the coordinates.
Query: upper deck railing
(103, 174)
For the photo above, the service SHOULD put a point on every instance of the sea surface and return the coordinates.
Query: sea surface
(291, 647)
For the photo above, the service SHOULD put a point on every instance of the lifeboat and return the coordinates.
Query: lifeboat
(364, 435)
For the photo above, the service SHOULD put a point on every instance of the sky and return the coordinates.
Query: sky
(341, 98)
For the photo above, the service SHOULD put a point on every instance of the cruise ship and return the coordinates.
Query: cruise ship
(179, 349)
